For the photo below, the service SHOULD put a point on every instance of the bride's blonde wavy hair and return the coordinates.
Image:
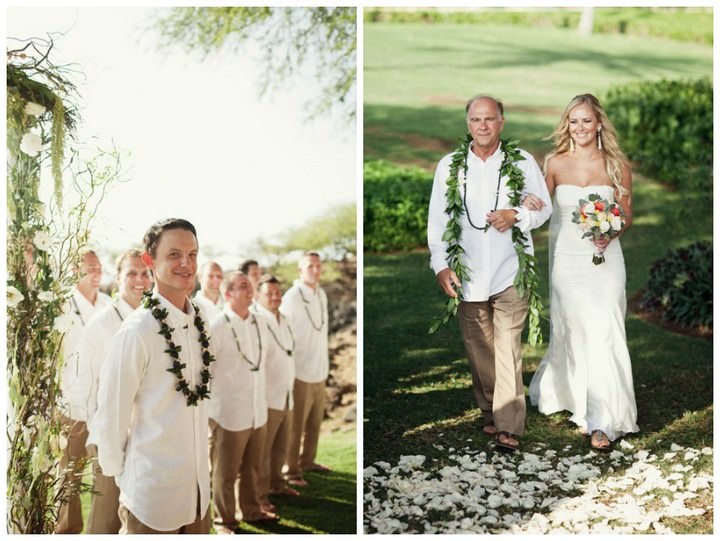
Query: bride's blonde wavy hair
(615, 160)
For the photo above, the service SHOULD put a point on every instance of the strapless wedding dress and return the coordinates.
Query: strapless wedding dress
(586, 369)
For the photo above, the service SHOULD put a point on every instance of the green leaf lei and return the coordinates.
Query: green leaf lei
(202, 390)
(526, 279)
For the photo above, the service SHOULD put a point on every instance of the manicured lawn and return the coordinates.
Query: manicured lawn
(418, 76)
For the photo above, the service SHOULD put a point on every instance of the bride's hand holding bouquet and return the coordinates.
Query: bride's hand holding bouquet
(599, 220)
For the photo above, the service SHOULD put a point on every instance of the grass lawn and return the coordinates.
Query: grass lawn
(327, 504)
(417, 78)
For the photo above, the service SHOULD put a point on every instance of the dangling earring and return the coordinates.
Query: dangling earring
(572, 145)
(599, 139)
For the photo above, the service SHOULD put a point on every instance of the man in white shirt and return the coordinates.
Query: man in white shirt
(238, 407)
(280, 382)
(151, 423)
(305, 304)
(85, 301)
(492, 313)
(209, 298)
(133, 279)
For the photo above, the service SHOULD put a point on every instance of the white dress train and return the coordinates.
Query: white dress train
(586, 369)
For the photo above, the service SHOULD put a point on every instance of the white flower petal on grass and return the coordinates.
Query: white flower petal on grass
(676, 447)
(625, 444)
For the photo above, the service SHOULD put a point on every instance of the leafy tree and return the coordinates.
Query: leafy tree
(333, 233)
(292, 39)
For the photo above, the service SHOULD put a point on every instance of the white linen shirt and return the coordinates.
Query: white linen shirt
(307, 310)
(237, 392)
(148, 438)
(94, 346)
(76, 377)
(489, 256)
(280, 373)
(209, 308)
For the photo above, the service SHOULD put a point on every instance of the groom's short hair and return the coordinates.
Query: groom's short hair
(485, 97)
(152, 236)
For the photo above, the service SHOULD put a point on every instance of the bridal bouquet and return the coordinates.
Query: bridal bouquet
(599, 219)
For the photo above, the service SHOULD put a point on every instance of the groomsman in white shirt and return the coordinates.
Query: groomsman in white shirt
(305, 304)
(280, 382)
(85, 301)
(209, 298)
(133, 279)
(238, 407)
(151, 423)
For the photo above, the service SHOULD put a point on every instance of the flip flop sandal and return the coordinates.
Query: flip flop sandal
(489, 429)
(506, 444)
(602, 438)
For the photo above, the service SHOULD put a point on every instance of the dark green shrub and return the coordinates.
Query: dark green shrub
(667, 128)
(395, 206)
(680, 287)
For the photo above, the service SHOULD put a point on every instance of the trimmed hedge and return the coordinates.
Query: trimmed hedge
(680, 286)
(667, 127)
(396, 201)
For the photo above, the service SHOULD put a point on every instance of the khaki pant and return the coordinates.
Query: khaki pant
(491, 333)
(70, 518)
(308, 414)
(103, 516)
(276, 443)
(232, 453)
(131, 524)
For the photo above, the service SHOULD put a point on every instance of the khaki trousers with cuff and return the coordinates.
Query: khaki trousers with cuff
(307, 417)
(491, 332)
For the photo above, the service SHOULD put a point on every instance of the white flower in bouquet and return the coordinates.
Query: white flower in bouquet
(616, 223)
(46, 296)
(34, 109)
(604, 227)
(589, 209)
(31, 144)
(601, 216)
(14, 297)
(41, 240)
(62, 323)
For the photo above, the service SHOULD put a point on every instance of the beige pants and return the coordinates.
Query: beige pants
(103, 516)
(491, 333)
(308, 414)
(131, 524)
(232, 453)
(70, 518)
(276, 442)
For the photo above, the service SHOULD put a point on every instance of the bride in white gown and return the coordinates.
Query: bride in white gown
(586, 369)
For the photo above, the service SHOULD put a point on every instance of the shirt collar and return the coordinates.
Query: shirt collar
(306, 288)
(493, 157)
(179, 317)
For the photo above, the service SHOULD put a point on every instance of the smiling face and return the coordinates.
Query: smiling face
(239, 294)
(211, 278)
(174, 264)
(270, 296)
(133, 280)
(583, 125)
(485, 123)
(90, 271)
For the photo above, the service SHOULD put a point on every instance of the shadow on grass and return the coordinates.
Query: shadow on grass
(326, 505)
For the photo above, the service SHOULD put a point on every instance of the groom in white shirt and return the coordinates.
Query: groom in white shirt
(492, 314)
(152, 416)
